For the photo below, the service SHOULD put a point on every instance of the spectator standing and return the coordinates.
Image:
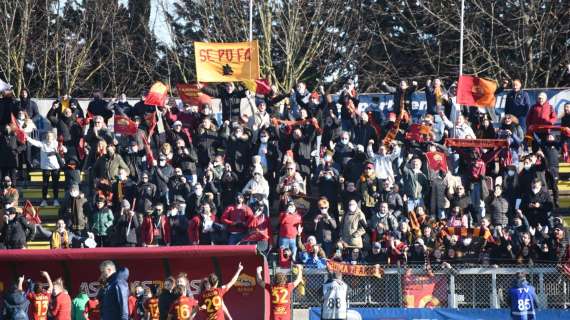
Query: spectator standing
(353, 226)
(9, 148)
(16, 230)
(51, 161)
(518, 103)
(542, 113)
(230, 97)
(235, 217)
(289, 223)
(15, 305)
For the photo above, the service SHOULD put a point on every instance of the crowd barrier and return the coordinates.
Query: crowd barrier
(79, 268)
(438, 314)
(460, 287)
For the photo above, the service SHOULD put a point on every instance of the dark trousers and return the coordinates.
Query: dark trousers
(9, 172)
(54, 182)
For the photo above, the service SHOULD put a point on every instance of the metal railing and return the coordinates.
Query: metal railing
(462, 286)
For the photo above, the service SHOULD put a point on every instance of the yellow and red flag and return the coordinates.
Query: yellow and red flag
(124, 125)
(227, 62)
(157, 95)
(20, 134)
(477, 92)
(190, 94)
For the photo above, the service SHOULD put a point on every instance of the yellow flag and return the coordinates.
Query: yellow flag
(227, 62)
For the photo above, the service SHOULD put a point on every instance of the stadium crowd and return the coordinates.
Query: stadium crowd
(308, 175)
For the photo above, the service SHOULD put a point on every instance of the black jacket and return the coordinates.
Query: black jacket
(9, 149)
(231, 102)
(17, 232)
(540, 214)
(100, 107)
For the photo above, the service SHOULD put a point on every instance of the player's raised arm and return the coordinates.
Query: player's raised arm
(260, 281)
(230, 284)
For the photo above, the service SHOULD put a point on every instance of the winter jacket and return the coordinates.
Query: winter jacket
(108, 167)
(517, 103)
(15, 306)
(179, 230)
(325, 229)
(288, 223)
(431, 98)
(497, 208)
(353, 228)
(48, 154)
(383, 163)
(416, 184)
(207, 141)
(128, 226)
(231, 102)
(234, 215)
(199, 231)
(9, 149)
(161, 177)
(113, 297)
(541, 115)
(101, 221)
(72, 212)
(540, 214)
(17, 232)
(100, 107)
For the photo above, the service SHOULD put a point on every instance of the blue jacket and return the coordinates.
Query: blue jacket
(517, 104)
(15, 306)
(523, 301)
(114, 297)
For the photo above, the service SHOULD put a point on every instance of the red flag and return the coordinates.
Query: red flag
(262, 87)
(20, 134)
(31, 214)
(151, 121)
(190, 94)
(157, 95)
(473, 91)
(124, 125)
(437, 161)
(477, 143)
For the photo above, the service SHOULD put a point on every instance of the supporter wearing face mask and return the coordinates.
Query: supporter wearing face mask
(161, 175)
(178, 225)
(72, 210)
(343, 150)
(328, 182)
(290, 226)
(201, 227)
(134, 159)
(537, 204)
(325, 226)
(269, 154)
(101, 221)
(353, 226)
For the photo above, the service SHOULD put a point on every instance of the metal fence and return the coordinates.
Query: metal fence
(459, 287)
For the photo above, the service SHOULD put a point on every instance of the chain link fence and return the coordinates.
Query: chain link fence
(458, 287)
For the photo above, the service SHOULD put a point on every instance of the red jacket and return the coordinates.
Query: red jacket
(147, 230)
(233, 214)
(288, 225)
(541, 115)
(195, 227)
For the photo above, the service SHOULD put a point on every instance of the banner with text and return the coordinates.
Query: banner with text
(79, 268)
(226, 62)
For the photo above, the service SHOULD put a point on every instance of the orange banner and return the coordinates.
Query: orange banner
(226, 62)
(358, 270)
(476, 92)
(424, 291)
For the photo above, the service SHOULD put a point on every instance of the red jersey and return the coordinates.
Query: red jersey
(151, 306)
(61, 309)
(182, 308)
(212, 302)
(280, 301)
(39, 305)
(92, 311)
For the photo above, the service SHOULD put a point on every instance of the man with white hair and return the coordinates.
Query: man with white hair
(542, 113)
(115, 294)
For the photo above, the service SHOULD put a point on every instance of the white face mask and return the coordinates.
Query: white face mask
(173, 212)
(511, 173)
(74, 193)
(352, 208)
(535, 190)
(291, 209)
(527, 166)
(323, 211)
(264, 139)
(327, 158)
(162, 162)
(198, 192)
(344, 141)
